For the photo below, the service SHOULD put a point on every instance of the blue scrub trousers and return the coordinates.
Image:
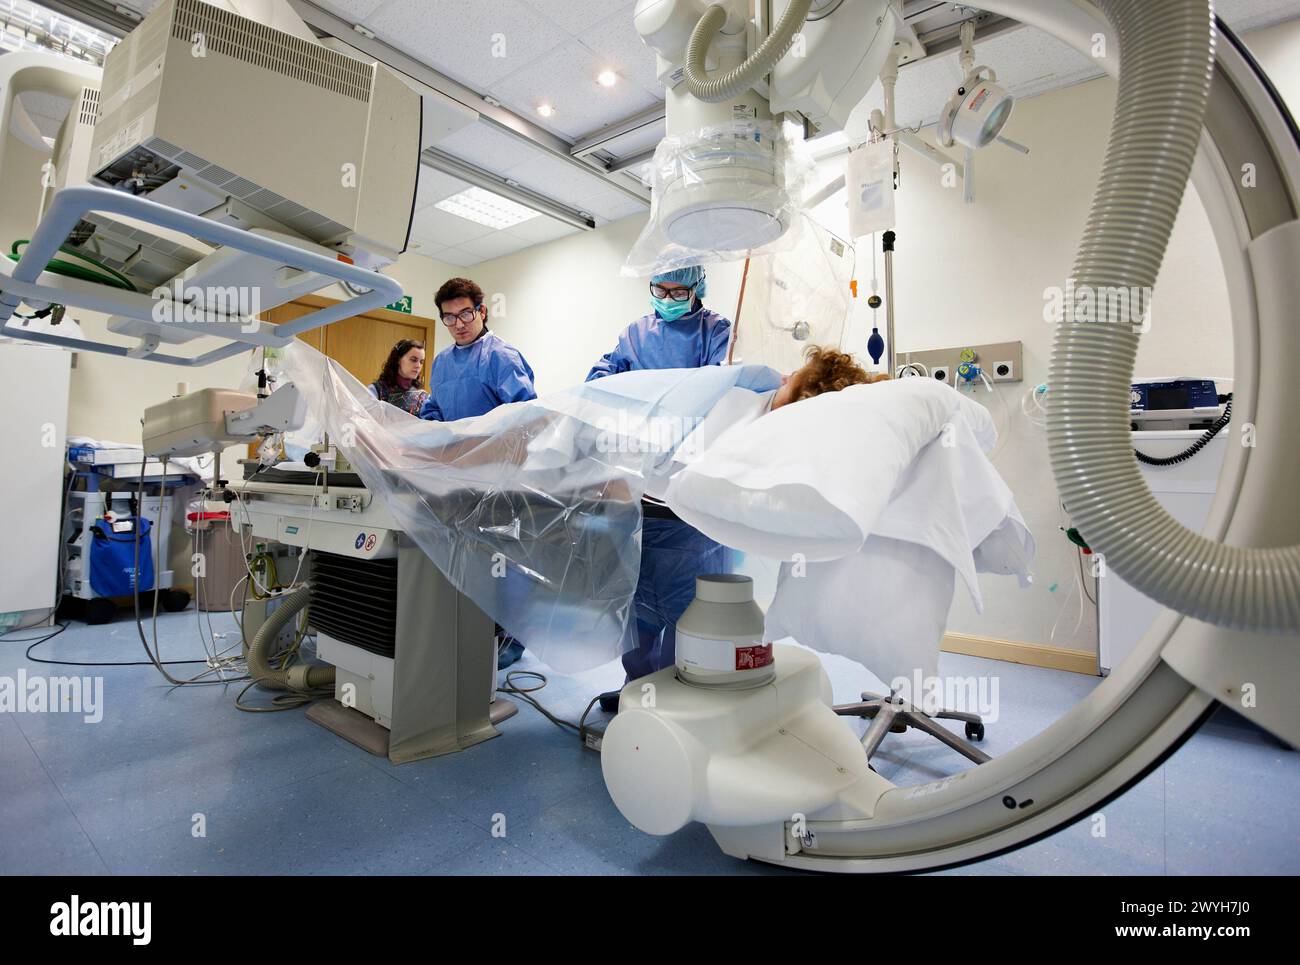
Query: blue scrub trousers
(673, 554)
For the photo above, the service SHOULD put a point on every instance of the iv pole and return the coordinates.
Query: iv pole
(887, 244)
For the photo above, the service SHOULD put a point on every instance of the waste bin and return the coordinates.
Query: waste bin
(223, 559)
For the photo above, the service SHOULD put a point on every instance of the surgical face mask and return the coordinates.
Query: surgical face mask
(671, 310)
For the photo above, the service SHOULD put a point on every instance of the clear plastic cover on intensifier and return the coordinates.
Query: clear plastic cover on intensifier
(719, 194)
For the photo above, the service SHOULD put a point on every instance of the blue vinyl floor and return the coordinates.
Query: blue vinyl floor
(274, 793)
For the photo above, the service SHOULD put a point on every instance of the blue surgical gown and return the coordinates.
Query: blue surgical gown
(696, 339)
(673, 553)
(470, 380)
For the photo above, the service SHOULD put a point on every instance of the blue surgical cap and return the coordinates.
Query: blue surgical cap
(694, 275)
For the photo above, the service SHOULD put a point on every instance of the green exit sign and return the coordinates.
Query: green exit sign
(403, 305)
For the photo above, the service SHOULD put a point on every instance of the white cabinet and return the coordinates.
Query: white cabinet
(1186, 491)
(34, 382)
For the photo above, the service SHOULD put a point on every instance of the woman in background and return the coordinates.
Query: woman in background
(399, 383)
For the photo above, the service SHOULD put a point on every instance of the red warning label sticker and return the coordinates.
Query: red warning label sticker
(751, 658)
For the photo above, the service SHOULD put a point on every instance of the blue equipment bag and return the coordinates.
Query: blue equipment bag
(112, 558)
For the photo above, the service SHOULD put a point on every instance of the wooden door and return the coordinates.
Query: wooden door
(361, 343)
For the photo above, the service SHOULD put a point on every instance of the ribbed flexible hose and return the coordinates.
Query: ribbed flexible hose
(259, 650)
(1167, 58)
(740, 78)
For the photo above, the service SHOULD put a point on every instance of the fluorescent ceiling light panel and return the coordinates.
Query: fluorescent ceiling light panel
(29, 26)
(486, 208)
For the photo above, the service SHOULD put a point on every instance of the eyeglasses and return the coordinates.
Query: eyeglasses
(465, 316)
(676, 294)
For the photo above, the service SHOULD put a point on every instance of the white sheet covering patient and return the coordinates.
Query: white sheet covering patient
(890, 497)
(533, 510)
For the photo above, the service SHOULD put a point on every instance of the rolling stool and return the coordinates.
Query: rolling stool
(894, 714)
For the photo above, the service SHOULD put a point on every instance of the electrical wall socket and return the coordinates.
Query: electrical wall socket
(941, 373)
(988, 357)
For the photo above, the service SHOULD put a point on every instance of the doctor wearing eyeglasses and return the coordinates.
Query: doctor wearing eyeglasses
(680, 333)
(475, 375)
(480, 371)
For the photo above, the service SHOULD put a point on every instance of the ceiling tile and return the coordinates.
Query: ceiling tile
(446, 229)
(1028, 55)
(142, 7)
(640, 172)
(489, 148)
(639, 141)
(1027, 60)
(577, 15)
(47, 111)
(494, 245)
(427, 247)
(459, 257)
(611, 205)
(607, 194)
(434, 185)
(615, 40)
(632, 210)
(475, 41)
(353, 11)
(556, 179)
(1242, 15)
(536, 230)
(566, 78)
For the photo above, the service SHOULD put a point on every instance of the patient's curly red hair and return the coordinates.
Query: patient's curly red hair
(827, 370)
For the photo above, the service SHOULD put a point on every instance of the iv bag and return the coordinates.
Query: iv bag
(869, 182)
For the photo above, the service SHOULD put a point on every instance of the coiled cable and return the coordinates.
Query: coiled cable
(1195, 447)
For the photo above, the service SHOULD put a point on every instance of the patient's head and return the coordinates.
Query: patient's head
(825, 370)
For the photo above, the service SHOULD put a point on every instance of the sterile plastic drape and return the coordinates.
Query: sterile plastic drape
(795, 299)
(532, 510)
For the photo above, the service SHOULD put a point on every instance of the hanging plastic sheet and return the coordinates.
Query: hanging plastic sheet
(532, 510)
(795, 299)
(721, 194)
(293, 444)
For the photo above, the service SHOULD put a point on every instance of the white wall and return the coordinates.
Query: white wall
(963, 274)
(1278, 51)
(563, 304)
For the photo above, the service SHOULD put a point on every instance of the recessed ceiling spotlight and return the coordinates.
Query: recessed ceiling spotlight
(607, 78)
(546, 110)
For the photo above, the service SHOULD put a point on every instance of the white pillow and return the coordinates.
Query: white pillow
(812, 477)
